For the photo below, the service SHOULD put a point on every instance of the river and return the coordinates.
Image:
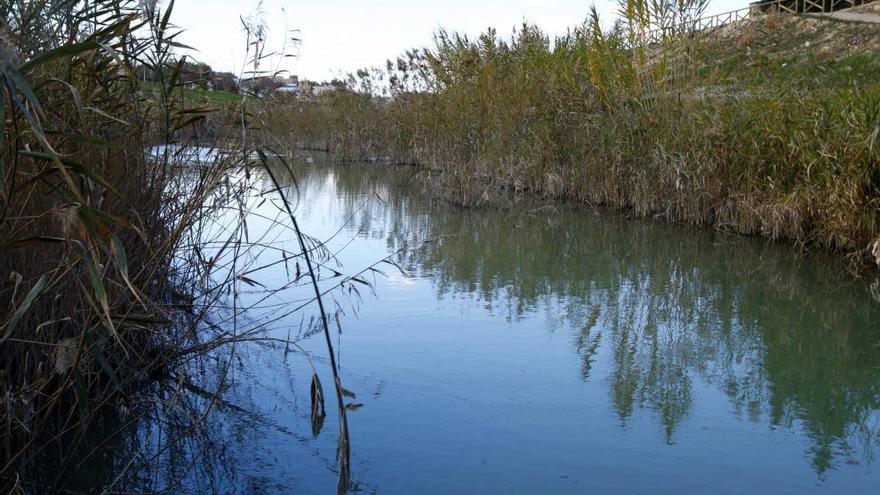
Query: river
(537, 348)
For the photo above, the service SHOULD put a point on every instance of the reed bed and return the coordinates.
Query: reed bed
(123, 233)
(91, 222)
(765, 127)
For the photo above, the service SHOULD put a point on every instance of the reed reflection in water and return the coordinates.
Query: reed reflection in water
(551, 348)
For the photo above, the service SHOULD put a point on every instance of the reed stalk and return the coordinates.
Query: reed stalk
(767, 126)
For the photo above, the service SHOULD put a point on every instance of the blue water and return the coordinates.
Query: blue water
(540, 348)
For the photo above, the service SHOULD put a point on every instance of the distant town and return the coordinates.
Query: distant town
(196, 75)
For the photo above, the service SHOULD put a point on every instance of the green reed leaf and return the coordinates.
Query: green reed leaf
(60, 52)
(104, 364)
(77, 167)
(25, 306)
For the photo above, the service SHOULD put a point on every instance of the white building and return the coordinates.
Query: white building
(291, 89)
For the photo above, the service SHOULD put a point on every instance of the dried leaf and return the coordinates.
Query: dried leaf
(250, 281)
(318, 412)
(347, 393)
(65, 355)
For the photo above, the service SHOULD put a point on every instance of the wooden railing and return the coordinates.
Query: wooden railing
(758, 8)
(702, 24)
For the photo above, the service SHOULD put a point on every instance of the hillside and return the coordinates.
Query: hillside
(812, 49)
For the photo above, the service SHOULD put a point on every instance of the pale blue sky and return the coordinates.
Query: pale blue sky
(340, 36)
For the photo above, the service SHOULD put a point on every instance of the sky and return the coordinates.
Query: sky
(341, 36)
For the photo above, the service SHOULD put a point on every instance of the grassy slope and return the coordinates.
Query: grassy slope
(806, 51)
(198, 95)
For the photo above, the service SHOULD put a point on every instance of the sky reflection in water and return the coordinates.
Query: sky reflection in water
(560, 350)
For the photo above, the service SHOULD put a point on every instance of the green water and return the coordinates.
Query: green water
(546, 348)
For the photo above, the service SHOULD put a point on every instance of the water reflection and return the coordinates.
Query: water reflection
(489, 369)
(789, 341)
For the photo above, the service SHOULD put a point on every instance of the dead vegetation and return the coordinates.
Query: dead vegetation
(767, 127)
(121, 232)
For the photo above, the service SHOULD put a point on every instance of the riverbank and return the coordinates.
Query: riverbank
(767, 127)
(108, 258)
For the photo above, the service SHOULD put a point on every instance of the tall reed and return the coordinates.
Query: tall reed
(766, 127)
(102, 241)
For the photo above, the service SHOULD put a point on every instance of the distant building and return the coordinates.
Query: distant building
(323, 88)
(301, 89)
(290, 89)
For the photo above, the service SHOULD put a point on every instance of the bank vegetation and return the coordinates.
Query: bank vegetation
(123, 210)
(768, 126)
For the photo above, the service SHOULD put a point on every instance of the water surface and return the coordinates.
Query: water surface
(545, 348)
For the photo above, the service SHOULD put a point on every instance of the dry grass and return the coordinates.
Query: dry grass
(89, 224)
(115, 252)
(111, 257)
(769, 129)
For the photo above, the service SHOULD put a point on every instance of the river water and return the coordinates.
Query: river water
(543, 348)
